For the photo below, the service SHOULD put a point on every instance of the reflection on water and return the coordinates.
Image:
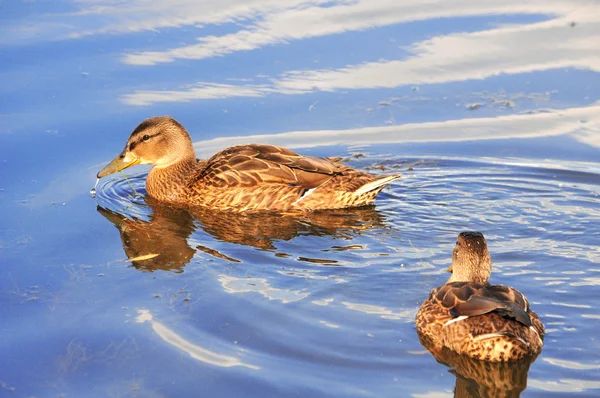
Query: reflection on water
(337, 291)
(262, 230)
(260, 285)
(499, 97)
(164, 234)
(581, 123)
(194, 350)
(458, 56)
(556, 36)
(330, 293)
(476, 378)
(160, 240)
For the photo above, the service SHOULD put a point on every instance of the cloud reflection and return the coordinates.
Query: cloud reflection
(110, 17)
(572, 121)
(467, 56)
(546, 45)
(385, 313)
(567, 38)
(563, 363)
(564, 385)
(313, 19)
(231, 284)
(195, 351)
(550, 44)
(204, 91)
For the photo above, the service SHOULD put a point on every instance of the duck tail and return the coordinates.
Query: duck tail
(379, 183)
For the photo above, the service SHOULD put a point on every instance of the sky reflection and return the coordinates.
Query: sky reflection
(232, 284)
(580, 123)
(493, 111)
(359, 68)
(557, 35)
(193, 350)
(558, 42)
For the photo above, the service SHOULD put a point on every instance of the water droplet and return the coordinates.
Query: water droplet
(93, 190)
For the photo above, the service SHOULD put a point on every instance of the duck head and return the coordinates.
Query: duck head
(471, 261)
(160, 141)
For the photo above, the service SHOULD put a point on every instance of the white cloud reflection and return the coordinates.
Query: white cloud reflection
(199, 91)
(264, 22)
(546, 45)
(564, 385)
(580, 123)
(466, 56)
(195, 351)
(115, 17)
(567, 39)
(231, 284)
(383, 312)
(563, 363)
(290, 22)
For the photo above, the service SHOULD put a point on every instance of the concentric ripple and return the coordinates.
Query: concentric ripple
(335, 293)
(124, 194)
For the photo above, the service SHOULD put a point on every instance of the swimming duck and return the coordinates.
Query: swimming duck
(470, 316)
(243, 177)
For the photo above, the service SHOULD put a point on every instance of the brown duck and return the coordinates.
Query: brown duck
(472, 317)
(243, 177)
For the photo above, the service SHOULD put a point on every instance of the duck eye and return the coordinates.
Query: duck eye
(146, 137)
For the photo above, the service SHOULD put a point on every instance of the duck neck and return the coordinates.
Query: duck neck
(169, 182)
(457, 277)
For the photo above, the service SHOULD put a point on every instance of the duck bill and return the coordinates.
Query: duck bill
(121, 162)
(449, 269)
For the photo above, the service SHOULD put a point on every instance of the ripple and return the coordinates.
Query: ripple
(571, 305)
(311, 280)
(381, 311)
(192, 349)
(260, 285)
(563, 363)
(124, 194)
(564, 385)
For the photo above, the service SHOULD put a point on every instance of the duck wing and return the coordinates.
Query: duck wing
(473, 299)
(254, 164)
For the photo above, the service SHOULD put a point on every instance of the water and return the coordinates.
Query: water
(119, 295)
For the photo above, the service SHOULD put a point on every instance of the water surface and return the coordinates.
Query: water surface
(489, 110)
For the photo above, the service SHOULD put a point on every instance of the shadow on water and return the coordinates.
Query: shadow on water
(161, 242)
(475, 378)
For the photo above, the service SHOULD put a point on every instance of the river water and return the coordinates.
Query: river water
(489, 110)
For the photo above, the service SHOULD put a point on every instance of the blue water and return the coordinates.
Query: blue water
(489, 110)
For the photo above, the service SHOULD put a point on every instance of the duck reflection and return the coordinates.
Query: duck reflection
(162, 241)
(475, 378)
(164, 234)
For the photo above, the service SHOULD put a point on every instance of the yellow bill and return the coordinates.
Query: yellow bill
(121, 162)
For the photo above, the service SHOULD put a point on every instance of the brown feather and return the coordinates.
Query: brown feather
(243, 177)
(498, 324)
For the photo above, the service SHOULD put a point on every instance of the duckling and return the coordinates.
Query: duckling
(243, 177)
(470, 316)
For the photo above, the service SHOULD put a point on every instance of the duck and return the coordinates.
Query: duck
(251, 177)
(472, 317)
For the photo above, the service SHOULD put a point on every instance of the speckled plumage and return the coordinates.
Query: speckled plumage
(244, 177)
(483, 379)
(166, 233)
(472, 317)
